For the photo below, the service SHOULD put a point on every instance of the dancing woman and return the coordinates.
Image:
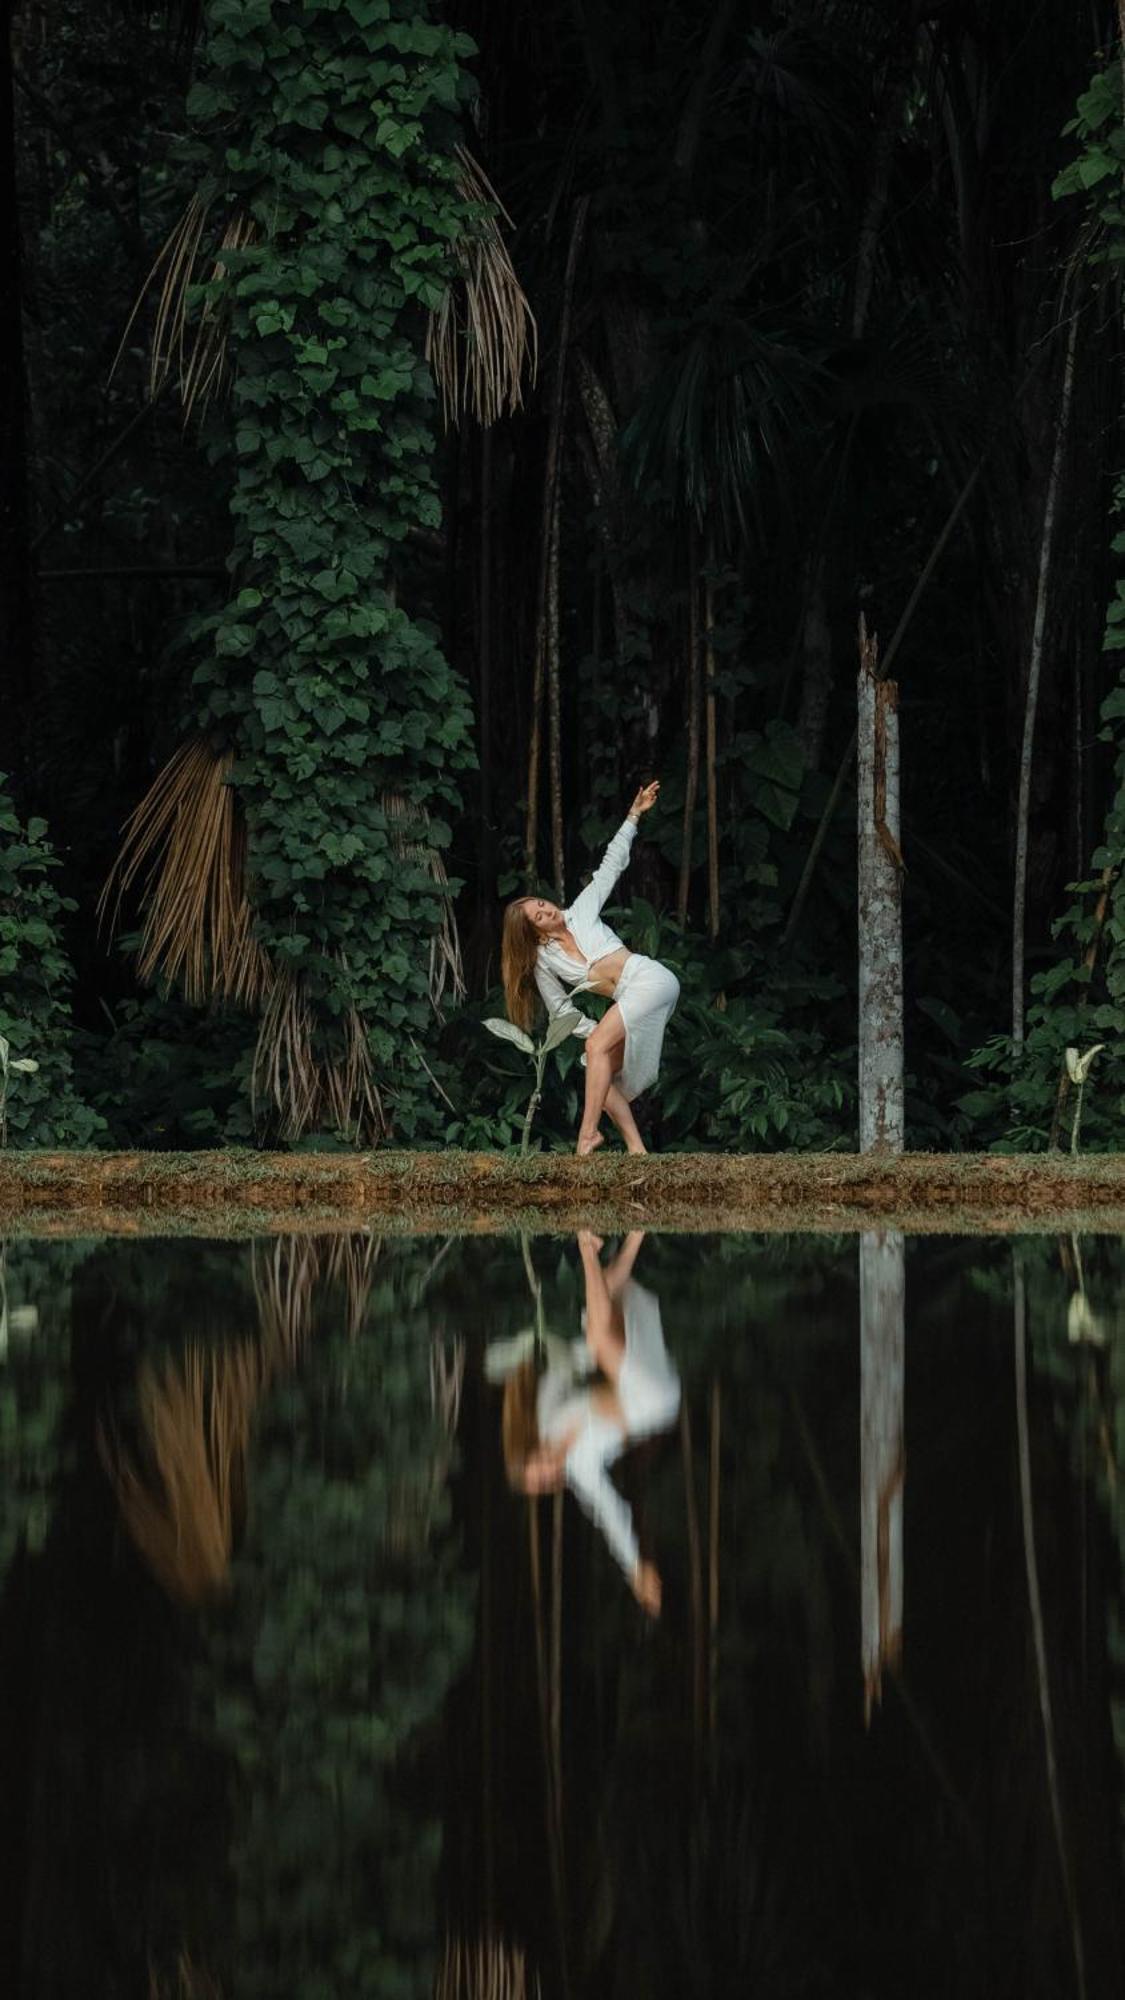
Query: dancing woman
(555, 948)
(561, 1427)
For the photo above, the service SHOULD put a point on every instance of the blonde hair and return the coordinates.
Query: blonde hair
(519, 1420)
(518, 947)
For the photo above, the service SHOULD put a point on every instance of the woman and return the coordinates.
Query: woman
(560, 1428)
(559, 948)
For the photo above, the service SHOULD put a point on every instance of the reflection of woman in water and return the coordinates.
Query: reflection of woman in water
(558, 948)
(562, 1428)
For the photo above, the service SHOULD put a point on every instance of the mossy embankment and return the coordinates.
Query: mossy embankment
(239, 1193)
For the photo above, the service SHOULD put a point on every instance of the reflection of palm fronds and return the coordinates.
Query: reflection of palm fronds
(496, 324)
(303, 1087)
(286, 1280)
(447, 1377)
(188, 1982)
(485, 1968)
(181, 1510)
(407, 822)
(190, 831)
(197, 356)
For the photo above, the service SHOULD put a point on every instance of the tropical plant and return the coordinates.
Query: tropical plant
(562, 1025)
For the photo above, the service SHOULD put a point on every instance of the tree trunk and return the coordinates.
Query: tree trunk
(17, 603)
(550, 499)
(880, 909)
(554, 702)
(1031, 698)
(712, 774)
(882, 1376)
(691, 786)
(816, 679)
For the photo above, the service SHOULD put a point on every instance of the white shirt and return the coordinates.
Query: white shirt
(555, 967)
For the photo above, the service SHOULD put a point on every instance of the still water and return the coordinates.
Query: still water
(799, 1672)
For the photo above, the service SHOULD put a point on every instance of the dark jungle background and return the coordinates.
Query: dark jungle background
(827, 320)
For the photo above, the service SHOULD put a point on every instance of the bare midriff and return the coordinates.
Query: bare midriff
(604, 973)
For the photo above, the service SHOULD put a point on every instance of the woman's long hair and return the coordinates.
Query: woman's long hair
(519, 1420)
(518, 947)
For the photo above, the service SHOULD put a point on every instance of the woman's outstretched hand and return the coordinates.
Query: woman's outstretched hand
(645, 799)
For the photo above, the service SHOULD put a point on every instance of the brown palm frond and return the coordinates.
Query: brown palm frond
(190, 832)
(408, 838)
(182, 1508)
(303, 1087)
(485, 1968)
(483, 333)
(195, 354)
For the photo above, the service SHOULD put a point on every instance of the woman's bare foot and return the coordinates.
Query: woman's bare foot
(586, 1146)
(639, 1147)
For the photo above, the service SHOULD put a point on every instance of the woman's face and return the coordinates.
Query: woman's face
(542, 915)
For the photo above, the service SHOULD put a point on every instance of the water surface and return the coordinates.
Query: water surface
(301, 1698)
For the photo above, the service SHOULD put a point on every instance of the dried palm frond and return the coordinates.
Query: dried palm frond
(485, 1968)
(181, 1510)
(485, 312)
(190, 830)
(446, 964)
(196, 355)
(303, 1087)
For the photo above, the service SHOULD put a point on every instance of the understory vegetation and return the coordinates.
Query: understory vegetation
(427, 422)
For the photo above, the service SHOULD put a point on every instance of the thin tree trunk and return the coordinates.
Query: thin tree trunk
(691, 788)
(554, 702)
(880, 908)
(1035, 1609)
(833, 800)
(882, 150)
(486, 878)
(712, 774)
(882, 1375)
(17, 600)
(550, 495)
(1034, 671)
(816, 680)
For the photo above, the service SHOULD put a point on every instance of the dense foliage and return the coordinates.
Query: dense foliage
(804, 293)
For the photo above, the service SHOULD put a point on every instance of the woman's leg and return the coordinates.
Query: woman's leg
(604, 1049)
(621, 1112)
(603, 1333)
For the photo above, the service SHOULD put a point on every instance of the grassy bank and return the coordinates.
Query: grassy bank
(240, 1193)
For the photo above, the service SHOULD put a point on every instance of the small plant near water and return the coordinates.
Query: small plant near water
(563, 1025)
(1078, 1069)
(8, 1062)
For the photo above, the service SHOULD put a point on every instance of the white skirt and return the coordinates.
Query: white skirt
(646, 994)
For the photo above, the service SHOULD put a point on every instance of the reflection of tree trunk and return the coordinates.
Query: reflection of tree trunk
(1034, 670)
(713, 1566)
(550, 1794)
(694, 707)
(695, 1559)
(880, 909)
(882, 1376)
(1035, 1609)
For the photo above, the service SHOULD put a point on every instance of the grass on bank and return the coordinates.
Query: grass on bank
(245, 1192)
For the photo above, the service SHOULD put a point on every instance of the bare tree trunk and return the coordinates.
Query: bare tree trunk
(882, 1378)
(1031, 699)
(486, 882)
(712, 775)
(713, 1564)
(880, 908)
(17, 594)
(691, 788)
(1035, 1610)
(550, 498)
(899, 65)
(554, 702)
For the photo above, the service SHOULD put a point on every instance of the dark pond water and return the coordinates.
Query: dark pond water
(300, 1696)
